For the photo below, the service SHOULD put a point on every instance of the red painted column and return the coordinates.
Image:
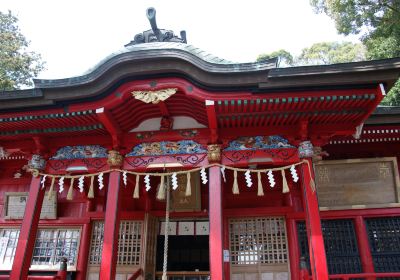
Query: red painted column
(83, 256)
(363, 245)
(111, 229)
(293, 245)
(216, 224)
(319, 268)
(27, 235)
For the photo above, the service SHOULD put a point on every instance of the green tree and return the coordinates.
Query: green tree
(377, 22)
(18, 65)
(330, 53)
(284, 57)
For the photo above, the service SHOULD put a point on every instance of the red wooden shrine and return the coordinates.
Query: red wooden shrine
(165, 107)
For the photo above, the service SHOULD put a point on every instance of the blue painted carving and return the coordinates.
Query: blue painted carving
(258, 142)
(79, 152)
(167, 148)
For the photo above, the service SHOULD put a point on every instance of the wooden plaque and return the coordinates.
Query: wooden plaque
(357, 183)
(182, 203)
(15, 203)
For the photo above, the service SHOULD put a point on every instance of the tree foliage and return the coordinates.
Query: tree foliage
(377, 22)
(319, 53)
(18, 65)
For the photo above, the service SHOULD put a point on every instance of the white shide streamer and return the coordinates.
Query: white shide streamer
(203, 175)
(271, 178)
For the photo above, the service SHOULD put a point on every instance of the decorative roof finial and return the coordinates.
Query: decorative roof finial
(155, 34)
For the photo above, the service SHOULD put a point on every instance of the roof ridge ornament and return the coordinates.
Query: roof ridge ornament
(155, 34)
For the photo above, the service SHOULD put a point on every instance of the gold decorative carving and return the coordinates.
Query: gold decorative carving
(154, 96)
(214, 153)
(114, 159)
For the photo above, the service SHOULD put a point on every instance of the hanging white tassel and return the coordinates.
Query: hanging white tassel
(223, 173)
(43, 180)
(260, 191)
(61, 185)
(100, 181)
(285, 187)
(188, 185)
(271, 179)
(247, 175)
(203, 176)
(174, 181)
(294, 174)
(80, 183)
(136, 190)
(235, 187)
(125, 178)
(161, 189)
(147, 182)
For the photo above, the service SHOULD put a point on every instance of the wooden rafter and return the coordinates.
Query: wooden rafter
(111, 125)
(212, 120)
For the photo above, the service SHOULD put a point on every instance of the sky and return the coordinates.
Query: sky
(74, 35)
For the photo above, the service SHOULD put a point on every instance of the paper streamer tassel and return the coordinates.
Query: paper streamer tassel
(100, 181)
(247, 175)
(50, 195)
(80, 183)
(125, 178)
(174, 181)
(271, 179)
(223, 173)
(91, 188)
(203, 176)
(260, 191)
(71, 189)
(235, 188)
(61, 185)
(188, 185)
(136, 190)
(43, 181)
(161, 189)
(147, 182)
(285, 187)
(294, 174)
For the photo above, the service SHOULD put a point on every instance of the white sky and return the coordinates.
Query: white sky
(74, 35)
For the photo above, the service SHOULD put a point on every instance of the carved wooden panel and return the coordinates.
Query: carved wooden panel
(15, 203)
(182, 203)
(357, 183)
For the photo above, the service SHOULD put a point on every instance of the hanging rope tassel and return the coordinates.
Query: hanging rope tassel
(50, 194)
(235, 188)
(91, 188)
(167, 209)
(161, 189)
(136, 190)
(260, 191)
(312, 183)
(285, 187)
(188, 185)
(71, 189)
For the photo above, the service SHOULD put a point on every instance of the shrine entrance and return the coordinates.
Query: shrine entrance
(188, 250)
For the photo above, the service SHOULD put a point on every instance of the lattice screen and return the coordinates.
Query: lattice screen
(384, 240)
(258, 241)
(8, 245)
(129, 244)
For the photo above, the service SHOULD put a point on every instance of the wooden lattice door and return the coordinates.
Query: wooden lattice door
(258, 249)
(150, 245)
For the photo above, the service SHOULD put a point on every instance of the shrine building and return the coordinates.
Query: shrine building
(165, 162)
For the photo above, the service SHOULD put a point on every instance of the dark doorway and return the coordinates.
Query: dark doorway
(185, 253)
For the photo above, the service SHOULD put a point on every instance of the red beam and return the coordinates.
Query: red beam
(212, 121)
(363, 245)
(29, 227)
(293, 245)
(319, 267)
(84, 248)
(111, 125)
(215, 216)
(111, 229)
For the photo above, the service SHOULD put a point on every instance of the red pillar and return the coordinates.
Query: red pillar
(27, 235)
(319, 268)
(216, 224)
(83, 256)
(111, 229)
(363, 245)
(293, 245)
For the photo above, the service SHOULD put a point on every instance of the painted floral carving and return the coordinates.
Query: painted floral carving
(154, 96)
(258, 142)
(167, 148)
(79, 152)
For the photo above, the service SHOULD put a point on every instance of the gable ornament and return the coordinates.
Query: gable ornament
(154, 96)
